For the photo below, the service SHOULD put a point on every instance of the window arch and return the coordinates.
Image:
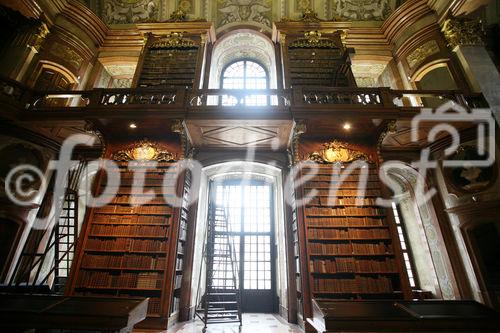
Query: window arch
(244, 74)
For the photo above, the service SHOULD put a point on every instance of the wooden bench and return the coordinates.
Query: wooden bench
(403, 316)
(23, 312)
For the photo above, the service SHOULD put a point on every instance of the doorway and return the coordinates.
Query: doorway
(249, 205)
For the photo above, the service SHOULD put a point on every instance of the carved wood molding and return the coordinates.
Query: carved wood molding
(337, 152)
(144, 150)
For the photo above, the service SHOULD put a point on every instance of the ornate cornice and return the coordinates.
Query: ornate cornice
(174, 40)
(463, 32)
(144, 150)
(337, 152)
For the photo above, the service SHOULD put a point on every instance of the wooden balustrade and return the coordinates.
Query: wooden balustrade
(301, 97)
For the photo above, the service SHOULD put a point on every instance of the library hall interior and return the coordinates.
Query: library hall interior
(249, 166)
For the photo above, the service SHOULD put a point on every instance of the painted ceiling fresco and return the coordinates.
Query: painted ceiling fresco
(225, 13)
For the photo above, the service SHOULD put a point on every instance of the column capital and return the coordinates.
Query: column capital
(463, 32)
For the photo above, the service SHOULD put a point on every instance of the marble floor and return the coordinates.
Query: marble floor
(252, 323)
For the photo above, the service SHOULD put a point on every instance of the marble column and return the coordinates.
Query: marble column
(465, 38)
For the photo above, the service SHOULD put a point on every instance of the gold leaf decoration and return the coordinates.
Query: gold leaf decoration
(421, 53)
(178, 16)
(144, 150)
(337, 152)
(314, 39)
(463, 32)
(174, 40)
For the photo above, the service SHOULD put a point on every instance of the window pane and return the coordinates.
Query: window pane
(245, 74)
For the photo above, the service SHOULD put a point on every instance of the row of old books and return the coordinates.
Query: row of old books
(126, 244)
(154, 305)
(344, 192)
(344, 222)
(359, 284)
(155, 191)
(342, 201)
(126, 261)
(339, 185)
(99, 261)
(149, 182)
(91, 279)
(148, 165)
(179, 264)
(351, 211)
(333, 249)
(177, 281)
(146, 262)
(350, 265)
(176, 302)
(348, 234)
(131, 219)
(129, 230)
(145, 210)
(149, 281)
(336, 177)
(146, 174)
(138, 200)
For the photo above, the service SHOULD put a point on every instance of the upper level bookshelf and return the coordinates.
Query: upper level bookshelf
(169, 61)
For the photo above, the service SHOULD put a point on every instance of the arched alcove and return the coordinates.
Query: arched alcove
(434, 76)
(425, 238)
(242, 44)
(244, 173)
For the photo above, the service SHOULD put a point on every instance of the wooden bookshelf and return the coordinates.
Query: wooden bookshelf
(317, 67)
(295, 238)
(170, 61)
(181, 245)
(350, 248)
(129, 247)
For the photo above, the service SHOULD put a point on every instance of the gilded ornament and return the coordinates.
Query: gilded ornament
(144, 150)
(68, 54)
(38, 37)
(309, 15)
(314, 39)
(337, 152)
(299, 129)
(174, 40)
(463, 32)
(178, 16)
(422, 52)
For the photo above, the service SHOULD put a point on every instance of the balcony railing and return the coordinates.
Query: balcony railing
(193, 100)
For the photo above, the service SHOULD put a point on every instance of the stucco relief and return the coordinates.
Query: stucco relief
(235, 11)
(362, 10)
(130, 11)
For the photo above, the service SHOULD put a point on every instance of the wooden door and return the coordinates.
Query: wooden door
(51, 80)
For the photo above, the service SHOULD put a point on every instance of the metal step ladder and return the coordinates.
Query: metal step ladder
(221, 302)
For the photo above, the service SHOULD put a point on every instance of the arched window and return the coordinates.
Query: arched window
(245, 74)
